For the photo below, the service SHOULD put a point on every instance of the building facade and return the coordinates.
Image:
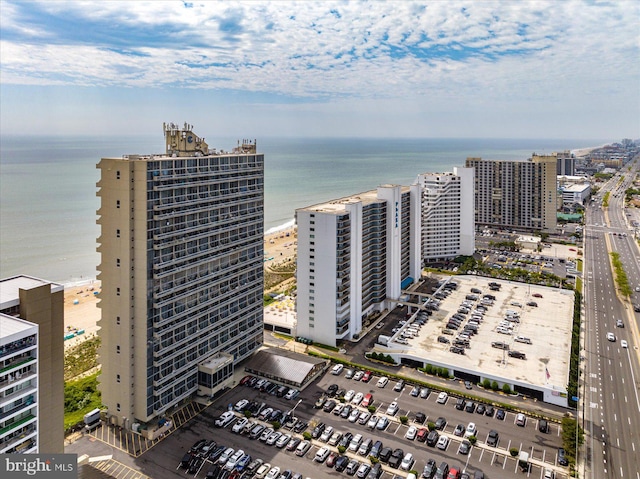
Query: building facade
(354, 255)
(566, 165)
(181, 248)
(515, 194)
(448, 226)
(576, 194)
(31, 366)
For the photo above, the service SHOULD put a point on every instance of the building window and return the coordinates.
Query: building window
(312, 236)
(118, 175)
(117, 291)
(118, 407)
(118, 348)
(117, 203)
(117, 319)
(118, 262)
(117, 233)
(117, 378)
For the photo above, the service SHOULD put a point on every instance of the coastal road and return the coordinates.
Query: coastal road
(610, 404)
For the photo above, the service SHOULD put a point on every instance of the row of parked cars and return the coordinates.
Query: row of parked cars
(476, 311)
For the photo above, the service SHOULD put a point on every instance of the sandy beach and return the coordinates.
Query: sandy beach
(81, 310)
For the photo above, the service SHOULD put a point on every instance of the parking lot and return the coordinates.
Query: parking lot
(164, 459)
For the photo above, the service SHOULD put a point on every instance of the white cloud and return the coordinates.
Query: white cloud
(456, 55)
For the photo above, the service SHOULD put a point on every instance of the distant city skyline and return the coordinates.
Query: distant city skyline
(322, 69)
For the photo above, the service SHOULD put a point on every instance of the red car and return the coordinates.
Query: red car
(367, 400)
(367, 376)
(536, 295)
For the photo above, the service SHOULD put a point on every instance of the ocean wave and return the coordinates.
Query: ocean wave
(282, 227)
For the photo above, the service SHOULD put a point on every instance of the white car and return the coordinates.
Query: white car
(238, 426)
(411, 433)
(443, 442)
(292, 394)
(382, 382)
(337, 369)
(355, 414)
(225, 419)
(273, 438)
(407, 462)
(471, 430)
(357, 399)
(224, 457)
(358, 375)
(372, 422)
(322, 454)
(624, 344)
(392, 409)
(349, 395)
(283, 441)
(442, 398)
(326, 434)
(240, 405)
(611, 337)
(273, 473)
(233, 460)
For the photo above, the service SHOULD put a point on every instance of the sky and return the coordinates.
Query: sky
(468, 69)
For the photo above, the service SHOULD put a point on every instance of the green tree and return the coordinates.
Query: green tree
(486, 384)
(506, 389)
(307, 436)
(431, 425)
(404, 419)
(495, 386)
(276, 425)
(514, 451)
(473, 440)
(341, 449)
(248, 414)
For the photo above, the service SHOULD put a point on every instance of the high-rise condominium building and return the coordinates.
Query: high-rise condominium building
(31, 366)
(566, 165)
(181, 248)
(448, 226)
(354, 255)
(516, 194)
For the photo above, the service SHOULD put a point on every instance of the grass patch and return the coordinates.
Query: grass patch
(620, 275)
(80, 397)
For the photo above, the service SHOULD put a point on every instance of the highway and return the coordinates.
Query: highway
(609, 394)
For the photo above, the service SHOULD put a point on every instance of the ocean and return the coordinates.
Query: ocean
(48, 197)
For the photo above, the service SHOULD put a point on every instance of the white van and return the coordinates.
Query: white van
(382, 382)
(337, 369)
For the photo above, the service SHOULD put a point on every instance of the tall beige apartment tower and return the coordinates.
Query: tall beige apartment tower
(516, 194)
(31, 366)
(181, 249)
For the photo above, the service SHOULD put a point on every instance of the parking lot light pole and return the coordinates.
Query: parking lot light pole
(294, 407)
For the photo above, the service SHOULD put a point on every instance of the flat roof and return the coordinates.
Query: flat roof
(548, 326)
(338, 205)
(577, 188)
(281, 313)
(10, 326)
(10, 288)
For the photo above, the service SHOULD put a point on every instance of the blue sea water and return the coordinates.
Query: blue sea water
(48, 197)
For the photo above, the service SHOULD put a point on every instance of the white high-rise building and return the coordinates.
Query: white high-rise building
(354, 255)
(448, 226)
(31, 366)
(181, 267)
